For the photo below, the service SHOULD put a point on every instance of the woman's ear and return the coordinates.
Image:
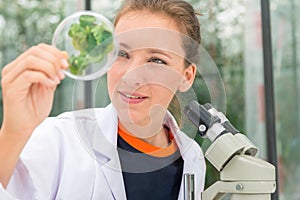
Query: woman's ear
(189, 77)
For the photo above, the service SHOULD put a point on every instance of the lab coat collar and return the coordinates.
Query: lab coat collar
(108, 127)
(183, 142)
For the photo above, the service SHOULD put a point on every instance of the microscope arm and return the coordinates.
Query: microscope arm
(242, 176)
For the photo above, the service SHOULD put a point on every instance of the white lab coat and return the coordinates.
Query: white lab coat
(74, 156)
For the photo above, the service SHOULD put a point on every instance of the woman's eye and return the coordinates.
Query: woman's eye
(158, 61)
(123, 54)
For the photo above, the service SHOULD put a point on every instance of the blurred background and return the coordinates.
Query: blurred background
(231, 34)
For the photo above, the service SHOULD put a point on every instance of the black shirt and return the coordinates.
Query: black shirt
(147, 177)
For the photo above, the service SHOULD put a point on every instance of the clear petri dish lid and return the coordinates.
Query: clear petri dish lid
(89, 39)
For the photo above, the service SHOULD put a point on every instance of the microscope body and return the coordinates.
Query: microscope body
(242, 175)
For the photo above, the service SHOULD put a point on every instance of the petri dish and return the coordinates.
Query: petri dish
(89, 39)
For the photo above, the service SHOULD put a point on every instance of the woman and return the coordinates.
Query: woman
(132, 149)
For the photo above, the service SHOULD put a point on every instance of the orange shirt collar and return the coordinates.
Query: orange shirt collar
(147, 148)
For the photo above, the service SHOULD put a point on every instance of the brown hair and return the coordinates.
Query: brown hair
(181, 11)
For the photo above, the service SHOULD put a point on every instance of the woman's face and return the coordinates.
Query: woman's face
(149, 68)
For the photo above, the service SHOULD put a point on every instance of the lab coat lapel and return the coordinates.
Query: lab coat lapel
(113, 174)
(189, 159)
(107, 154)
(108, 158)
(188, 168)
(184, 143)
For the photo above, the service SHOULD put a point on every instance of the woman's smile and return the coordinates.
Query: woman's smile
(132, 98)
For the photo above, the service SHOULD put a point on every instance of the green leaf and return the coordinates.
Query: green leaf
(87, 20)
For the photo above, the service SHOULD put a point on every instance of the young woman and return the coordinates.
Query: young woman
(131, 149)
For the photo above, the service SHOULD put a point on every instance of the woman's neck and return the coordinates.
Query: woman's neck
(160, 139)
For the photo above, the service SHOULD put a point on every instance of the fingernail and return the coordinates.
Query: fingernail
(50, 82)
(57, 80)
(61, 74)
(64, 63)
(65, 54)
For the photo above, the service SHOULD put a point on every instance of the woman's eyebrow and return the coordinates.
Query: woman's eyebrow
(124, 45)
(148, 50)
(160, 52)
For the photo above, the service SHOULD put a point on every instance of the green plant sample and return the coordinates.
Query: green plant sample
(93, 40)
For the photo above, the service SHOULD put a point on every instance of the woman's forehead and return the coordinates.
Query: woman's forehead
(152, 38)
(145, 19)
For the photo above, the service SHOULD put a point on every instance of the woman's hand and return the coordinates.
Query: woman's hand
(28, 85)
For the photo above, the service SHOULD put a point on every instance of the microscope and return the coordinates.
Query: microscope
(242, 175)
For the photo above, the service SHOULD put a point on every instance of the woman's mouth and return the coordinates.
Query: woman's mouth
(132, 98)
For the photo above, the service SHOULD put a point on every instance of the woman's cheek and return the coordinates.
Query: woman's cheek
(111, 81)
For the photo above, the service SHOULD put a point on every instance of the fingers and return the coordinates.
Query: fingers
(60, 56)
(42, 58)
(33, 63)
(22, 83)
(30, 77)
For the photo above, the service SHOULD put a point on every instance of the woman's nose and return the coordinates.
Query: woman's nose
(134, 76)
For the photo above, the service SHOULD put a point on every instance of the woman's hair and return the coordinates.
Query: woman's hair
(179, 10)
